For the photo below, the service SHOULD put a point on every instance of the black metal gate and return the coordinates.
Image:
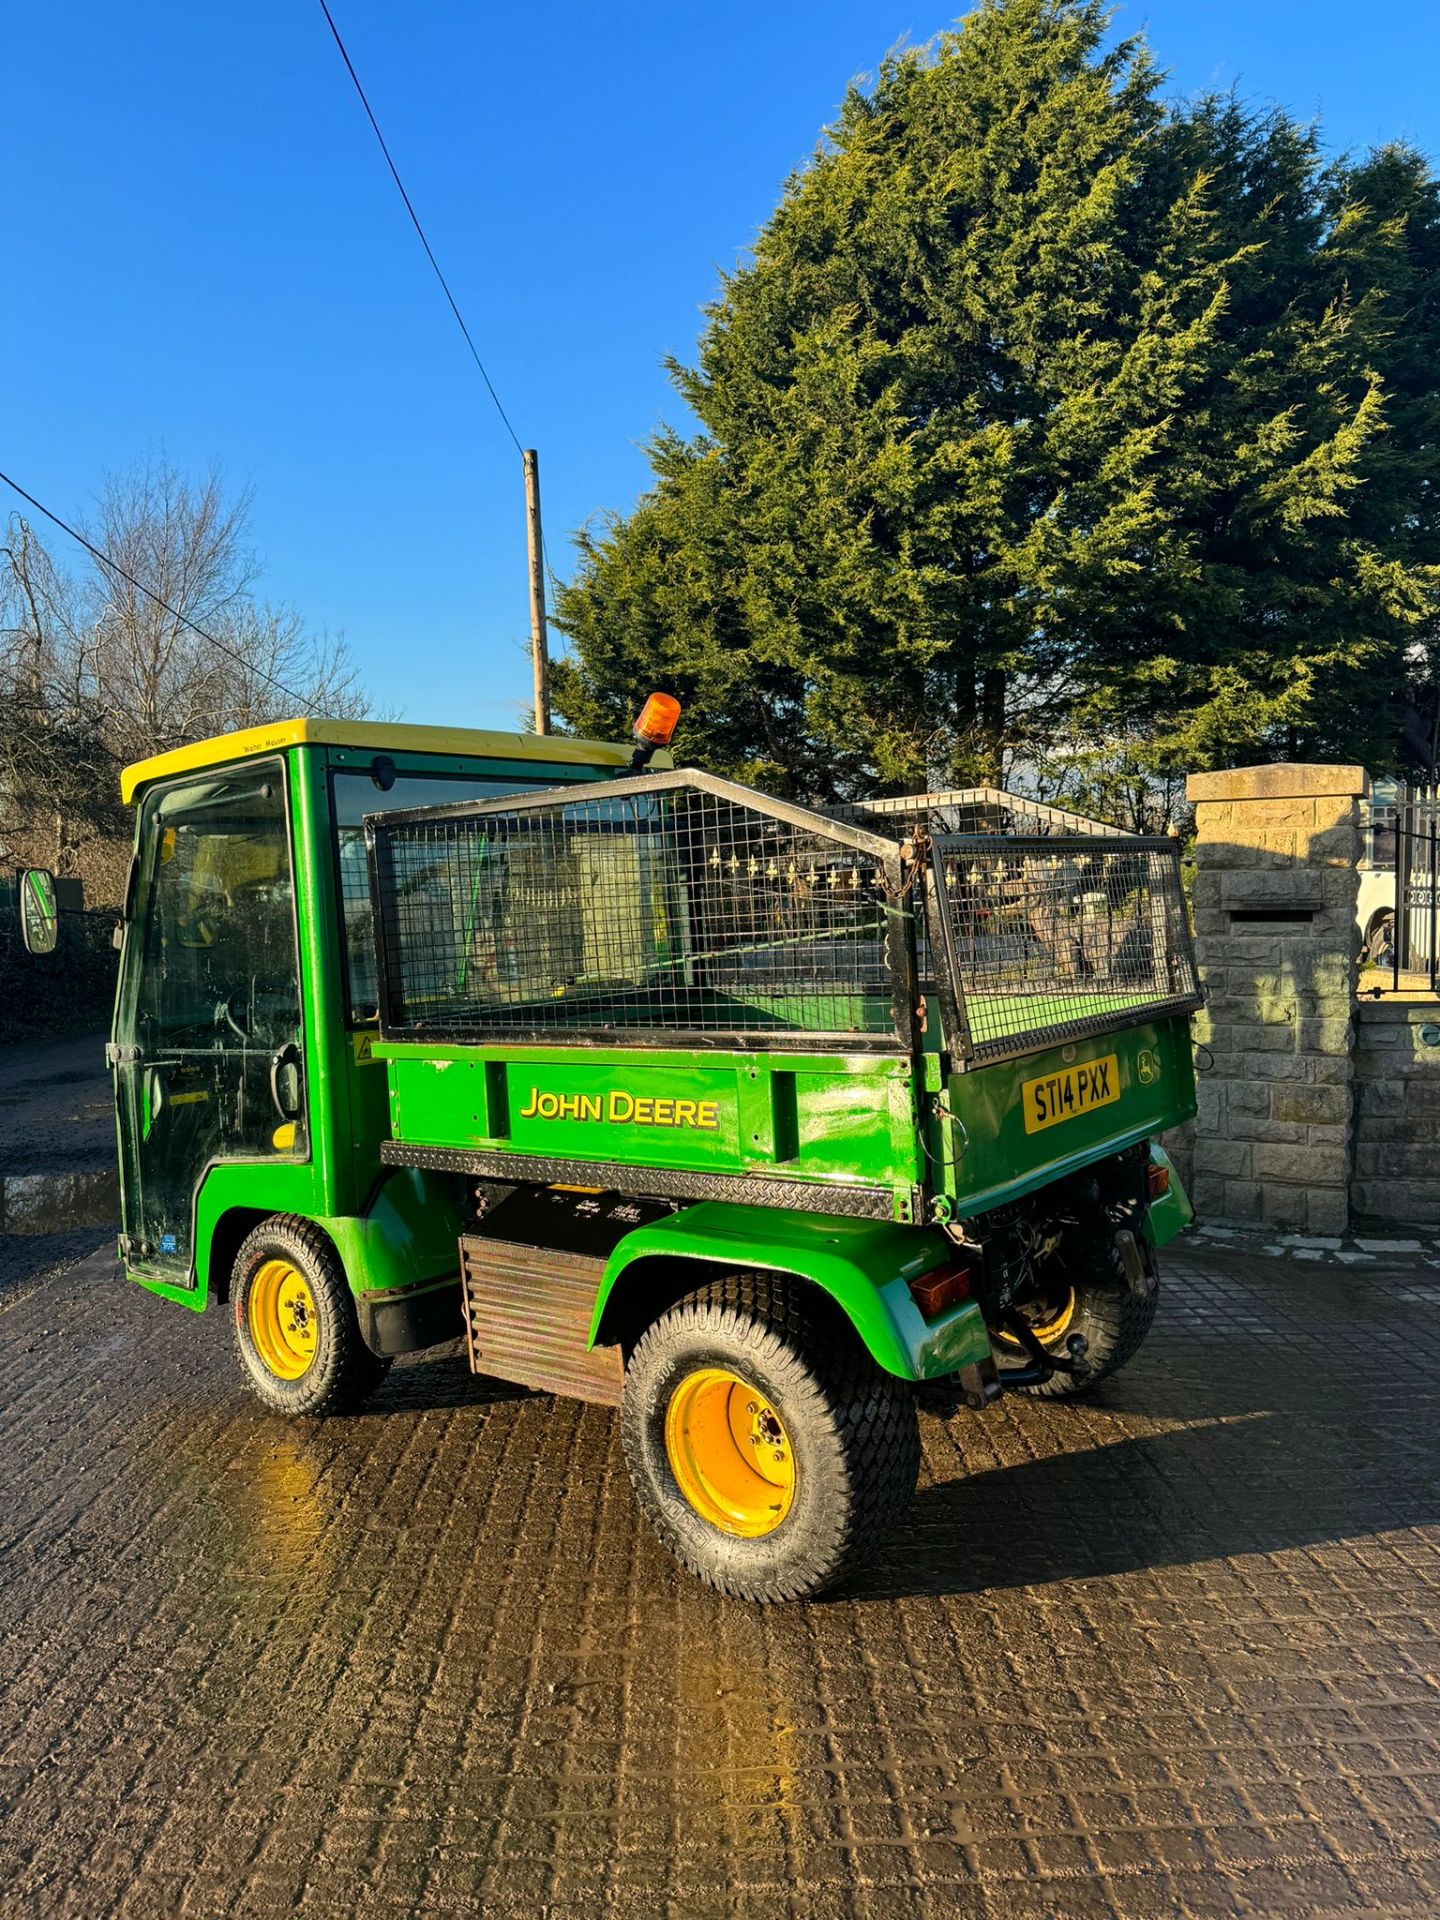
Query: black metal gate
(1416, 948)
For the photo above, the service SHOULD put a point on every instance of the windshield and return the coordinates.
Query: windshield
(353, 795)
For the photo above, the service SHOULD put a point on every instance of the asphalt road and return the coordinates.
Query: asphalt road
(1170, 1654)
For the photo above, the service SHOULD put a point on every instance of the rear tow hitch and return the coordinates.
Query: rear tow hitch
(1042, 1364)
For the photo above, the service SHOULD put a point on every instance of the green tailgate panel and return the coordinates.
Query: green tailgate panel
(836, 1119)
(1003, 1144)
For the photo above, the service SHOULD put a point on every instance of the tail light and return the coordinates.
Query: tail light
(1157, 1180)
(941, 1287)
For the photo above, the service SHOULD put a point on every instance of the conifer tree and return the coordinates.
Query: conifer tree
(1044, 412)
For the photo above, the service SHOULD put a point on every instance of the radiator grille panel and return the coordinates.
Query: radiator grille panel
(527, 1318)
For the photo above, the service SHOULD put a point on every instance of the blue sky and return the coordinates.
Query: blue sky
(204, 255)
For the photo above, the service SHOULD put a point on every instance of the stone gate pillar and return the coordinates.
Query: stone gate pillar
(1275, 890)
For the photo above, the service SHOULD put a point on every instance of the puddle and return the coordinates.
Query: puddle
(52, 1202)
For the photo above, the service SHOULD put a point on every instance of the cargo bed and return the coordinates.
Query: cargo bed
(676, 986)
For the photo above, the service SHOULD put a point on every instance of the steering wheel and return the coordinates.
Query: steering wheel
(231, 1009)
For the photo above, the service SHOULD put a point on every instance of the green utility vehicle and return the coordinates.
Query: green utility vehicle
(757, 1121)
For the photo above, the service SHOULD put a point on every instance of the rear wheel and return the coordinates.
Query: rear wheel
(296, 1329)
(768, 1451)
(1089, 1295)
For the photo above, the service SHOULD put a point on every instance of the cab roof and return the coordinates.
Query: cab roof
(372, 737)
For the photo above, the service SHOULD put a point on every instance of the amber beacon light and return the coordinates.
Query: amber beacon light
(658, 720)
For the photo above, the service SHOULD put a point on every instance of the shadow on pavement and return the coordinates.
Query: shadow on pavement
(1256, 1484)
(438, 1377)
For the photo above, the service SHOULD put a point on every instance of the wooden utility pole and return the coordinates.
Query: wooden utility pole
(535, 545)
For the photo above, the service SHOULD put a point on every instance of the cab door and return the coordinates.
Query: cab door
(208, 1040)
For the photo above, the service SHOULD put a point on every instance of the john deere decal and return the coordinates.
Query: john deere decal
(623, 1109)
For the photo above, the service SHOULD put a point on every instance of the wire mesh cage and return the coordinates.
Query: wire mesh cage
(675, 908)
(970, 810)
(679, 909)
(1047, 938)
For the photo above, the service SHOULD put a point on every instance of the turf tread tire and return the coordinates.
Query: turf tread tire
(1114, 1320)
(853, 1427)
(344, 1372)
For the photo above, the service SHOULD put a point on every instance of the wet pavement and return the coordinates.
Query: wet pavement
(58, 1191)
(1172, 1653)
(56, 1110)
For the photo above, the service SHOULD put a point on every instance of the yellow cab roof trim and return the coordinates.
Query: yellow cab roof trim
(372, 737)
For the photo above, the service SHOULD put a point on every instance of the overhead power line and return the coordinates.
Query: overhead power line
(415, 222)
(140, 587)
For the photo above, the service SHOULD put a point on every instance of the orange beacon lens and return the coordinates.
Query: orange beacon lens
(658, 720)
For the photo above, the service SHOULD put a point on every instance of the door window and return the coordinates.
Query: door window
(210, 1012)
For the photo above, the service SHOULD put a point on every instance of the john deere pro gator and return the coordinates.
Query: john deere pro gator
(754, 1120)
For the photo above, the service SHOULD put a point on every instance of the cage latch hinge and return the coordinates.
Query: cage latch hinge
(118, 1056)
(942, 1110)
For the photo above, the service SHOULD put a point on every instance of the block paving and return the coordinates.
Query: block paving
(1171, 1653)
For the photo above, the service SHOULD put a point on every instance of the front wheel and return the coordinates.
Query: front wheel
(296, 1330)
(1090, 1295)
(768, 1451)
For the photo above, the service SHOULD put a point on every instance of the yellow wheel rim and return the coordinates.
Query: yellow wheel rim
(282, 1319)
(730, 1453)
(1047, 1330)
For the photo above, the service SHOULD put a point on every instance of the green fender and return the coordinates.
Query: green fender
(864, 1265)
(405, 1238)
(408, 1236)
(1172, 1212)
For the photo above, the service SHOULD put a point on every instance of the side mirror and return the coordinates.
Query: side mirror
(39, 912)
(285, 1081)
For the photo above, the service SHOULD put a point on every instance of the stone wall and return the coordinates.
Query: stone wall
(1275, 890)
(1397, 1113)
(1316, 1111)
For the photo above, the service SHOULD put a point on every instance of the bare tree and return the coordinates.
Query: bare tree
(165, 682)
(54, 761)
(95, 673)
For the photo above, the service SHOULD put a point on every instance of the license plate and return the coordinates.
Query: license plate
(1070, 1092)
